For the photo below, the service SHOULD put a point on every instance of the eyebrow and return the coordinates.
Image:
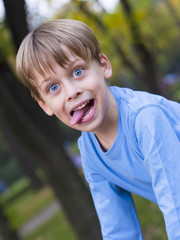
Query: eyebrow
(69, 63)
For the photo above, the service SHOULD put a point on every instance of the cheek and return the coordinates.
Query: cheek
(98, 85)
(56, 108)
(61, 113)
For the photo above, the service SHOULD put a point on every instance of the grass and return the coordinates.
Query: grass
(28, 204)
(55, 229)
(22, 208)
(151, 219)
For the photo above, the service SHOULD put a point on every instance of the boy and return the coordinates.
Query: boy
(130, 140)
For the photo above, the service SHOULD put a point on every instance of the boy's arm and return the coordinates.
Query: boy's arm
(114, 205)
(116, 212)
(160, 146)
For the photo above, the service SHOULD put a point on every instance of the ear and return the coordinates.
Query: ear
(45, 107)
(106, 66)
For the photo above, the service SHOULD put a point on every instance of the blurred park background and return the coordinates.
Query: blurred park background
(43, 195)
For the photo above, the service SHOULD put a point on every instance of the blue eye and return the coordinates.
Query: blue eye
(54, 87)
(77, 72)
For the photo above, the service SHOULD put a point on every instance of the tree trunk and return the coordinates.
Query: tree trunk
(15, 16)
(40, 137)
(127, 63)
(26, 164)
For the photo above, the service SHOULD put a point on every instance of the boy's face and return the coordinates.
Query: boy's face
(78, 93)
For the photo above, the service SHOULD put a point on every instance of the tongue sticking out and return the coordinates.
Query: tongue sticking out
(77, 116)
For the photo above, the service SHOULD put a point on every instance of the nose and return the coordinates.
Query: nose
(72, 91)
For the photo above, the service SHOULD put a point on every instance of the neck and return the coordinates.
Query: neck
(107, 133)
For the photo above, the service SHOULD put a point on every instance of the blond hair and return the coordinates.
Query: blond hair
(44, 45)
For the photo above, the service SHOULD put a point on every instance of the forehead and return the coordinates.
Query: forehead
(48, 65)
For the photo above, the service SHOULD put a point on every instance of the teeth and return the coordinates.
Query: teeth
(90, 111)
(80, 107)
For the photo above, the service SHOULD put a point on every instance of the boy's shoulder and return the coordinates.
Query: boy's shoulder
(135, 100)
(132, 101)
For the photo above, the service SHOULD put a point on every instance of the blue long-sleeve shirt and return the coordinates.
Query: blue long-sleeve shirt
(144, 159)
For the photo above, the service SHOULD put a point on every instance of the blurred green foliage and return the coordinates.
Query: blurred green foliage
(7, 50)
(156, 23)
(15, 190)
(27, 205)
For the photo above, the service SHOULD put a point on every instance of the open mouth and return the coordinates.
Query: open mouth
(82, 113)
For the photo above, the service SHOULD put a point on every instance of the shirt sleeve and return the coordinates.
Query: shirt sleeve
(159, 141)
(114, 206)
(116, 212)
